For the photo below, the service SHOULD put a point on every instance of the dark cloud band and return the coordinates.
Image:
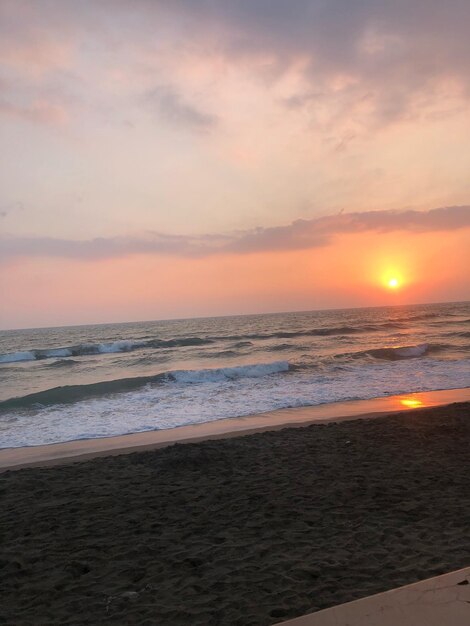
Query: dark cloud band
(299, 235)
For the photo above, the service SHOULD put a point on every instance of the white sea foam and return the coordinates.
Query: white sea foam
(119, 346)
(401, 352)
(57, 353)
(412, 350)
(14, 357)
(124, 345)
(228, 373)
(171, 404)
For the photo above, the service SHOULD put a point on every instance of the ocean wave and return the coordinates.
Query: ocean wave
(239, 341)
(149, 359)
(423, 316)
(180, 343)
(75, 393)
(387, 353)
(315, 332)
(129, 345)
(15, 357)
(89, 349)
(451, 322)
(218, 355)
(228, 373)
(402, 352)
(280, 347)
(457, 334)
(62, 363)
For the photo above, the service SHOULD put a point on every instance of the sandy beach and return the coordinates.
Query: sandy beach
(248, 530)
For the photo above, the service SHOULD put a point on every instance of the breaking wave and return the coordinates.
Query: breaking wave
(228, 373)
(62, 363)
(317, 332)
(87, 349)
(128, 345)
(75, 393)
(403, 352)
(16, 357)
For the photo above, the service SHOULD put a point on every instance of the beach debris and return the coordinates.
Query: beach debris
(112, 601)
(116, 600)
(129, 594)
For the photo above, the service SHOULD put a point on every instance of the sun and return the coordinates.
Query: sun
(392, 279)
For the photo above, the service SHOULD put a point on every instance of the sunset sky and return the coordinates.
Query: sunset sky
(185, 158)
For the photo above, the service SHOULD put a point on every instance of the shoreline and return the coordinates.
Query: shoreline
(63, 453)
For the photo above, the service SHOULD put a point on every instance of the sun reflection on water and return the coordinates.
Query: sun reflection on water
(411, 403)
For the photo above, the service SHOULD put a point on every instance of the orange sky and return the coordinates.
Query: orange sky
(346, 274)
(163, 161)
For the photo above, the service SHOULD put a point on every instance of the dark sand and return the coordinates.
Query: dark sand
(250, 530)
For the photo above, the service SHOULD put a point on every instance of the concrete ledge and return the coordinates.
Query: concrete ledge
(440, 601)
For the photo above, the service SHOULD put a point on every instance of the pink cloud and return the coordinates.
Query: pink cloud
(39, 111)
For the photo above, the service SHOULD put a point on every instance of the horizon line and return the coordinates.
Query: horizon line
(201, 317)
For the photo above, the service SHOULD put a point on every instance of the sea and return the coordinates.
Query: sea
(84, 382)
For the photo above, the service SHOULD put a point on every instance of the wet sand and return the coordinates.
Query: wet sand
(248, 530)
(83, 449)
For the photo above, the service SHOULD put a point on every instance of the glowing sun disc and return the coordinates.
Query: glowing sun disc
(393, 283)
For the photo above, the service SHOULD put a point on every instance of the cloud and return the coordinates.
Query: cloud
(38, 112)
(390, 53)
(378, 61)
(172, 107)
(6, 209)
(299, 235)
(35, 37)
(99, 247)
(304, 234)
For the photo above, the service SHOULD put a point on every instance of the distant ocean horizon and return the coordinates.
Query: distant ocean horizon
(229, 315)
(81, 382)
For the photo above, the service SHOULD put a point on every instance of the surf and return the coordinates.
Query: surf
(75, 393)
